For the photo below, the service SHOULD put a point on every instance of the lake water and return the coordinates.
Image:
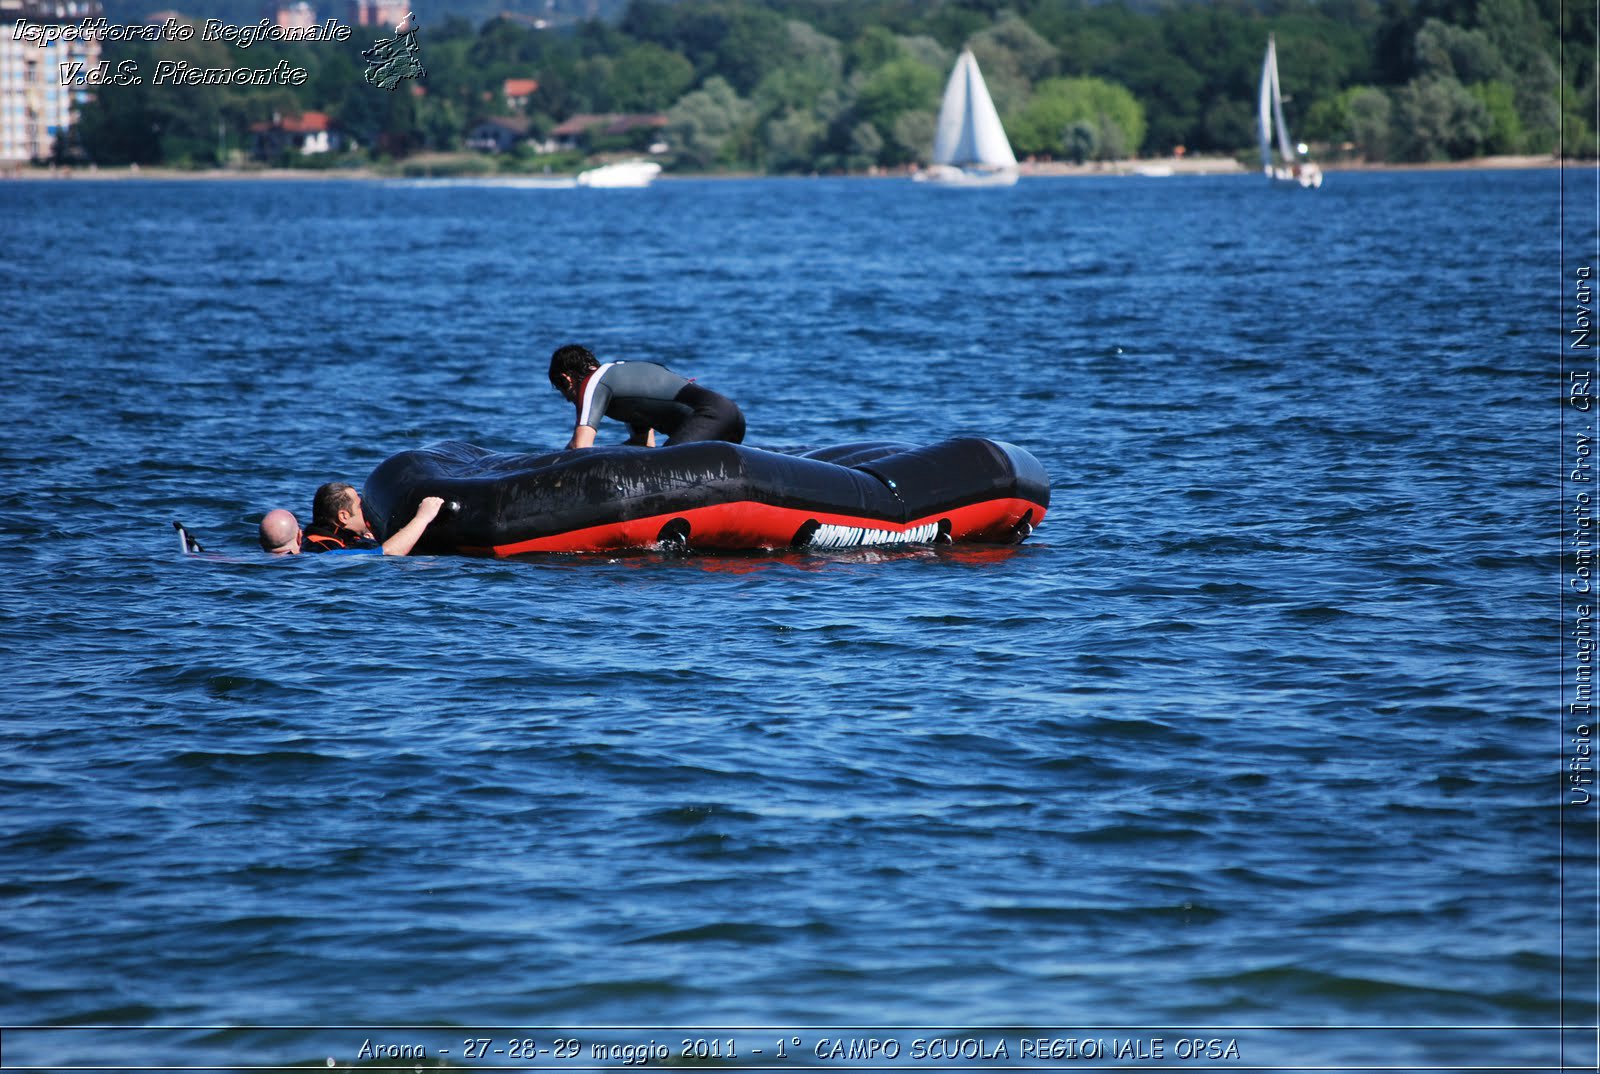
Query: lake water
(1259, 740)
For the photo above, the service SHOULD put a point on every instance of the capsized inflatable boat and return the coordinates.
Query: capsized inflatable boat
(712, 496)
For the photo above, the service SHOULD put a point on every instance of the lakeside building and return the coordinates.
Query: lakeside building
(305, 133)
(516, 91)
(584, 130)
(296, 16)
(378, 12)
(36, 108)
(498, 134)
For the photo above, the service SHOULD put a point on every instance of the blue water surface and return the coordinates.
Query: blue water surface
(1261, 728)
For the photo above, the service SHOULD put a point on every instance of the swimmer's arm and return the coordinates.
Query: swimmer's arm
(582, 437)
(643, 436)
(405, 538)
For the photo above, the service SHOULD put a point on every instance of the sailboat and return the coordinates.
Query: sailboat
(1289, 168)
(970, 147)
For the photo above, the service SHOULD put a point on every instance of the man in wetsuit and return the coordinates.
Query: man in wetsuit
(645, 396)
(338, 524)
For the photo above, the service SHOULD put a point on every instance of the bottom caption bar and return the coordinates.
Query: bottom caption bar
(60, 1049)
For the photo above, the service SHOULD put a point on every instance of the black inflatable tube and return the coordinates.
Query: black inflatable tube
(711, 495)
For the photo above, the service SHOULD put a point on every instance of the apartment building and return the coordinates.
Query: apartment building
(35, 107)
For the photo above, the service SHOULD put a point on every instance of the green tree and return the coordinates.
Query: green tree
(1058, 104)
(801, 101)
(1517, 31)
(1359, 116)
(793, 141)
(1437, 118)
(1446, 51)
(874, 48)
(927, 51)
(738, 42)
(563, 90)
(1029, 56)
(187, 118)
(120, 125)
(899, 86)
(953, 23)
(1080, 140)
(753, 45)
(1229, 121)
(650, 20)
(500, 43)
(1505, 64)
(1170, 91)
(401, 132)
(708, 125)
(810, 77)
(1537, 92)
(911, 136)
(1577, 136)
(866, 144)
(1505, 134)
(647, 78)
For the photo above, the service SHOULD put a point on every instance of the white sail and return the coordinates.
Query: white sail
(970, 134)
(1269, 92)
(1269, 120)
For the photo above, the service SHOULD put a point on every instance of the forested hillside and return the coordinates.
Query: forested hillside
(831, 85)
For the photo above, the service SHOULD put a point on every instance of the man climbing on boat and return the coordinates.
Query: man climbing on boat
(644, 396)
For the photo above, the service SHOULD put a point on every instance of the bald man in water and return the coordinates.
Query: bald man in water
(339, 525)
(280, 533)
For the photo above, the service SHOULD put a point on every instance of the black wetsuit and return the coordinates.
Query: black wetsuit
(649, 396)
(330, 537)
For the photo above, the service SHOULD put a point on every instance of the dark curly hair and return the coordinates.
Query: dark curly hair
(572, 361)
(330, 499)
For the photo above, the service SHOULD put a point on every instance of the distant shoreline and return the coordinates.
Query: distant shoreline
(1162, 166)
(1152, 167)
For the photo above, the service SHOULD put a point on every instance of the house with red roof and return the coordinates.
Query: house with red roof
(583, 130)
(306, 133)
(516, 91)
